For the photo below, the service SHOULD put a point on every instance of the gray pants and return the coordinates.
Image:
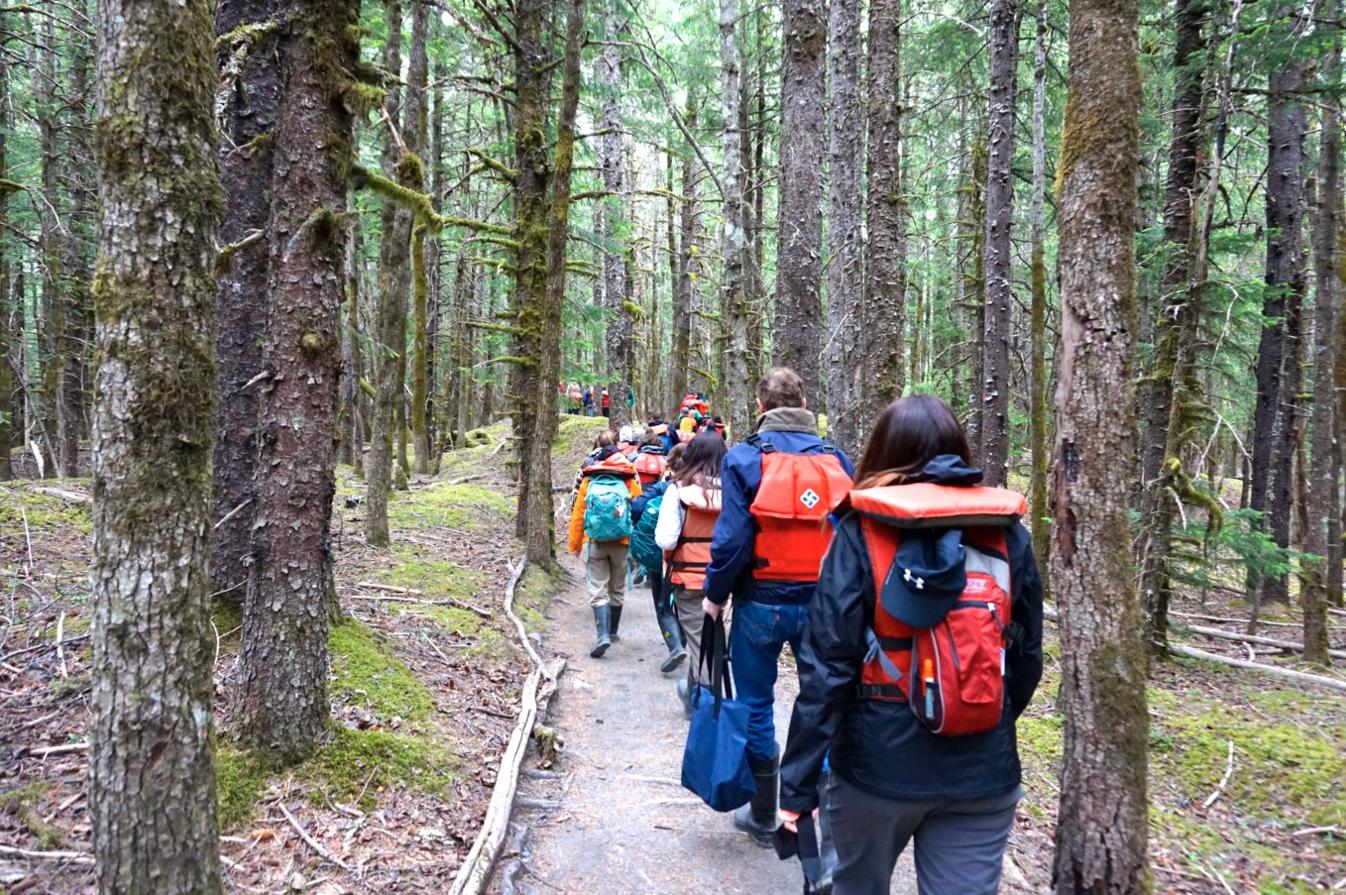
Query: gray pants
(960, 843)
(690, 617)
(605, 566)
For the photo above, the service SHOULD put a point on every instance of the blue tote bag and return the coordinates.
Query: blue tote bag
(715, 761)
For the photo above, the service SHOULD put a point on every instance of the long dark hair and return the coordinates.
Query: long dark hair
(701, 461)
(910, 433)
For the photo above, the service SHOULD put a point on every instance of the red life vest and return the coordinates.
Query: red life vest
(688, 561)
(797, 493)
(952, 675)
(649, 467)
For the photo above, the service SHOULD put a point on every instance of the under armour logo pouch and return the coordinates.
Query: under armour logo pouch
(797, 494)
(942, 599)
(607, 509)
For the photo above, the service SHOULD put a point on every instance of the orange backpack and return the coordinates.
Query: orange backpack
(797, 493)
(952, 675)
(650, 467)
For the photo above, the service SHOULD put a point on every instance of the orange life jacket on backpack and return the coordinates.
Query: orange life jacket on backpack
(952, 675)
(797, 493)
(650, 467)
(688, 561)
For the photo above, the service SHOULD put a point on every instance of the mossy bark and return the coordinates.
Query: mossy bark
(685, 286)
(974, 292)
(616, 227)
(417, 137)
(734, 308)
(1039, 420)
(151, 780)
(1101, 832)
(283, 707)
(249, 97)
(9, 405)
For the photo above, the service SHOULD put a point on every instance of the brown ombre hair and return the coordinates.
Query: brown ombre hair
(910, 433)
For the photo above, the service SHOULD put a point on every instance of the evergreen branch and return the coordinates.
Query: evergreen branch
(420, 203)
(505, 171)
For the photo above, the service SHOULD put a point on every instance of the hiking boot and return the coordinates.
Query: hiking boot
(685, 694)
(614, 622)
(602, 619)
(758, 817)
(673, 639)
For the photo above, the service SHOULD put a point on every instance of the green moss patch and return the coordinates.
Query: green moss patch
(22, 803)
(442, 505)
(240, 778)
(358, 764)
(44, 512)
(367, 673)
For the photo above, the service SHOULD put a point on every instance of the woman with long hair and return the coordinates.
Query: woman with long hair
(923, 646)
(690, 507)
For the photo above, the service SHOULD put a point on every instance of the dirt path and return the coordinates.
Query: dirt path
(623, 824)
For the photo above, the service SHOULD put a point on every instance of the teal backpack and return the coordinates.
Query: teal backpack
(643, 548)
(607, 509)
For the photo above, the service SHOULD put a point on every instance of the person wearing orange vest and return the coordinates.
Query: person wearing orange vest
(780, 486)
(650, 461)
(691, 505)
(925, 566)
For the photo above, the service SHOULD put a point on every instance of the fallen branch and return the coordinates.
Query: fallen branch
(67, 496)
(1224, 781)
(60, 645)
(1191, 652)
(309, 840)
(446, 601)
(63, 749)
(1258, 639)
(1333, 830)
(73, 857)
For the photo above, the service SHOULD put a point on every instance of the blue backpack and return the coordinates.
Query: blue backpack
(643, 548)
(607, 509)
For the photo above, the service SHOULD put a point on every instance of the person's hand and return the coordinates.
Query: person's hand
(714, 610)
(788, 819)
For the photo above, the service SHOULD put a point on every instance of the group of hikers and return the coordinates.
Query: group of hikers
(908, 595)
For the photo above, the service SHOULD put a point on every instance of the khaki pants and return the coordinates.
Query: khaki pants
(690, 617)
(605, 563)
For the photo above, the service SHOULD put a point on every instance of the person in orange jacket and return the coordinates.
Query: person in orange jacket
(600, 530)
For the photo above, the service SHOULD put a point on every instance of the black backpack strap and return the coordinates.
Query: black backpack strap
(761, 444)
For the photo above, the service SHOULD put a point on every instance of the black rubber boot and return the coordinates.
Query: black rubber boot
(677, 653)
(685, 694)
(602, 619)
(616, 619)
(758, 817)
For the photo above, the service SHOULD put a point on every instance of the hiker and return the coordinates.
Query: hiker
(646, 511)
(574, 399)
(910, 759)
(686, 523)
(604, 445)
(779, 487)
(650, 461)
(607, 404)
(628, 441)
(588, 400)
(600, 527)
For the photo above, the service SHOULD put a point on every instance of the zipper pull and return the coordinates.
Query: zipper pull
(928, 676)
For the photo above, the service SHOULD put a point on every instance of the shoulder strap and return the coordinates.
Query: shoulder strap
(756, 440)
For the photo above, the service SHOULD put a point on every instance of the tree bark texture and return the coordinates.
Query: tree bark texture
(846, 425)
(248, 96)
(1039, 420)
(689, 272)
(974, 291)
(416, 133)
(611, 162)
(799, 316)
(1101, 827)
(1278, 349)
(734, 305)
(390, 328)
(9, 403)
(151, 780)
(999, 220)
(883, 313)
(283, 707)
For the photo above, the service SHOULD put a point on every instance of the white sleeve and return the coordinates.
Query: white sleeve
(671, 516)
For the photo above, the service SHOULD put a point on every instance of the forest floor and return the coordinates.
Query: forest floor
(1247, 772)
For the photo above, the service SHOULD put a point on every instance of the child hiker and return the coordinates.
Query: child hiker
(600, 530)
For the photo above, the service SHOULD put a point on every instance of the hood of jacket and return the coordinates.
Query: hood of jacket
(701, 497)
(948, 469)
(787, 419)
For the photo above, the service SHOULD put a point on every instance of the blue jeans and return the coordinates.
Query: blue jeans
(758, 633)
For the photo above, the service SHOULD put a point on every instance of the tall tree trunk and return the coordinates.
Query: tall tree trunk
(845, 270)
(799, 316)
(77, 262)
(1037, 401)
(1278, 350)
(151, 780)
(689, 269)
(883, 315)
(1101, 823)
(390, 330)
(9, 405)
(974, 292)
(611, 161)
(415, 130)
(1175, 327)
(734, 306)
(248, 97)
(1322, 505)
(51, 335)
(999, 220)
(283, 707)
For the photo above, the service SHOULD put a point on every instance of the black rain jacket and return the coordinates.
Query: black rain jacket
(881, 747)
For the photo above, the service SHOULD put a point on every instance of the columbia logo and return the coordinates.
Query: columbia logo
(809, 498)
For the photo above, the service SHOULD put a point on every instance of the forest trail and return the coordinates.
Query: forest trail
(624, 824)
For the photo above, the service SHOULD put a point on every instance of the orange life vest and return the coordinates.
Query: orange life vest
(951, 674)
(797, 493)
(688, 561)
(650, 467)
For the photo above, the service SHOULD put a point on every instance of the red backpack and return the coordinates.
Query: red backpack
(649, 467)
(797, 494)
(952, 675)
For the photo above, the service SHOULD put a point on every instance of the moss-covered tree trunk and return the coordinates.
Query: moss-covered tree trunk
(9, 404)
(612, 166)
(1039, 421)
(416, 133)
(389, 343)
(883, 311)
(541, 542)
(974, 290)
(733, 300)
(51, 234)
(283, 706)
(689, 267)
(799, 315)
(248, 96)
(1101, 823)
(151, 780)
